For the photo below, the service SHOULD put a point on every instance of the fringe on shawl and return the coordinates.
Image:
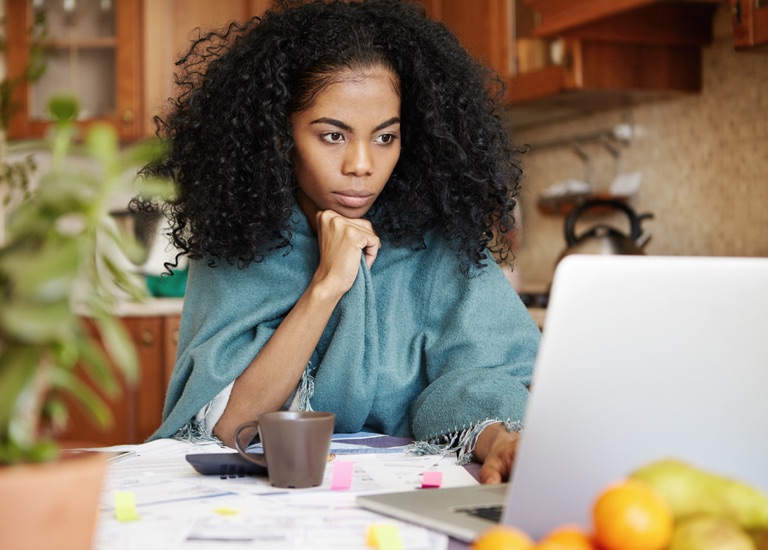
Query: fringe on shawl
(461, 441)
(194, 431)
(305, 390)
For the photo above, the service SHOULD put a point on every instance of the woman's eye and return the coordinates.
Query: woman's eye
(333, 137)
(384, 139)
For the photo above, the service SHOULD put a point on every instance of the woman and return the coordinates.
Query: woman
(343, 181)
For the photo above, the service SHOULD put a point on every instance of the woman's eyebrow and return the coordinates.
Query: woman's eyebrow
(332, 122)
(343, 126)
(390, 122)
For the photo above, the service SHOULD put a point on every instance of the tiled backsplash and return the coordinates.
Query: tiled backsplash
(703, 158)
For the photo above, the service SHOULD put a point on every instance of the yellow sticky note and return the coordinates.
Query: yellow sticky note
(384, 536)
(125, 506)
(225, 511)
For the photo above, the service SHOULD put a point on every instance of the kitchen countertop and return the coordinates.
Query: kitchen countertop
(150, 308)
(173, 306)
(539, 315)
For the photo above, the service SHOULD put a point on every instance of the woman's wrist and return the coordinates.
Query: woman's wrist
(323, 291)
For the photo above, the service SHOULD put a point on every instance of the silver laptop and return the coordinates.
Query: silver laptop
(642, 357)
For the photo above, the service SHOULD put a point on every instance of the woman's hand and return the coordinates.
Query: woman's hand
(496, 448)
(274, 373)
(341, 241)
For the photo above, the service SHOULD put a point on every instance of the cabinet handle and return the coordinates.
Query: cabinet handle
(128, 116)
(736, 11)
(175, 336)
(147, 337)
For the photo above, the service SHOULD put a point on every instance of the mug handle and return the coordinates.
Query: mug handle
(259, 459)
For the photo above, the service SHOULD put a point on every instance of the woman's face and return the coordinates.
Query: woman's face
(347, 143)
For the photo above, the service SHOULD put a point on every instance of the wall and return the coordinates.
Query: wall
(703, 158)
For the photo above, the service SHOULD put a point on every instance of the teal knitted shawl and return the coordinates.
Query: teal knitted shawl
(415, 348)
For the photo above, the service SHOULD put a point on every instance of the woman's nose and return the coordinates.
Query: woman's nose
(358, 160)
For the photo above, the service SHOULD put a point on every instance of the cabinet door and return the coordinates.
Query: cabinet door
(147, 398)
(94, 53)
(558, 15)
(137, 410)
(484, 28)
(750, 23)
(171, 341)
(81, 430)
(169, 27)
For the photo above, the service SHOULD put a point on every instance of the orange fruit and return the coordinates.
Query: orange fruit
(566, 537)
(631, 515)
(503, 538)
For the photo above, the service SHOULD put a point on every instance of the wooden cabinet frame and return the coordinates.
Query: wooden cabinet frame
(137, 410)
(750, 24)
(616, 52)
(128, 115)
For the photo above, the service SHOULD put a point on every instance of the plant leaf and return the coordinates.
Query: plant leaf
(56, 413)
(18, 365)
(25, 222)
(96, 365)
(119, 347)
(67, 191)
(123, 241)
(91, 402)
(102, 143)
(37, 323)
(157, 188)
(63, 107)
(143, 152)
(125, 280)
(46, 274)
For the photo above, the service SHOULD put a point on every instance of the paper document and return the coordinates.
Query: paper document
(178, 508)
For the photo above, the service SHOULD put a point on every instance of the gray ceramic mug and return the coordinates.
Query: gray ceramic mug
(296, 445)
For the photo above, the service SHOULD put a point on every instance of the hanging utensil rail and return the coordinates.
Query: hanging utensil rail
(622, 133)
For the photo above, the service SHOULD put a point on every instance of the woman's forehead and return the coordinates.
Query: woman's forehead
(364, 98)
(359, 75)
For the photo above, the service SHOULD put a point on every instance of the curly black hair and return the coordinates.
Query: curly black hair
(230, 140)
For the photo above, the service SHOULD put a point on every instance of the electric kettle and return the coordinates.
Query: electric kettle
(603, 238)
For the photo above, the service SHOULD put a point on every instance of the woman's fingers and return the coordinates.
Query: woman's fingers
(341, 242)
(369, 241)
(496, 448)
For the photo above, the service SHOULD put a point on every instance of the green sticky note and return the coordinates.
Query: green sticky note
(384, 536)
(125, 506)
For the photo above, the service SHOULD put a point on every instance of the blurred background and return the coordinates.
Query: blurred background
(659, 106)
(703, 159)
(683, 82)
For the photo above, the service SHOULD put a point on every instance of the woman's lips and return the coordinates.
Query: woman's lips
(353, 200)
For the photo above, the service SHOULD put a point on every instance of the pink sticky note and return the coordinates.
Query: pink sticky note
(341, 479)
(431, 480)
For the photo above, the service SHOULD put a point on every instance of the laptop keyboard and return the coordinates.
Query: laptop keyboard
(491, 513)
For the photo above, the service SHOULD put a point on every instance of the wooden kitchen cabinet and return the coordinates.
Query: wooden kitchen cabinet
(750, 23)
(615, 54)
(119, 62)
(558, 16)
(137, 411)
(612, 53)
(482, 26)
(94, 53)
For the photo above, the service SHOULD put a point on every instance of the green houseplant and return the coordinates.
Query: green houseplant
(59, 265)
(61, 262)
(15, 174)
